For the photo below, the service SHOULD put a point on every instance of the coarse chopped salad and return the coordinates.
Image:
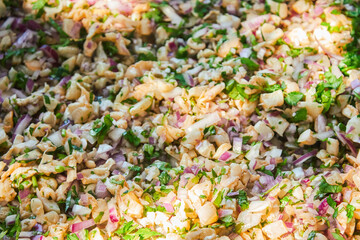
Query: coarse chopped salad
(194, 119)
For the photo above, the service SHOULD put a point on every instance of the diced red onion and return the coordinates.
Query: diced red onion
(323, 207)
(75, 30)
(38, 237)
(232, 194)
(84, 199)
(224, 212)
(80, 176)
(33, 25)
(350, 129)
(50, 52)
(172, 46)
(113, 215)
(189, 79)
(195, 169)
(24, 193)
(225, 156)
(318, 10)
(183, 181)
(270, 167)
(82, 225)
(29, 86)
(347, 142)
(169, 207)
(38, 227)
(101, 190)
(305, 157)
(22, 124)
(27, 39)
(354, 84)
(9, 220)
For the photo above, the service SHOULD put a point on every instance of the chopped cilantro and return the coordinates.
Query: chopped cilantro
(293, 98)
(131, 138)
(100, 130)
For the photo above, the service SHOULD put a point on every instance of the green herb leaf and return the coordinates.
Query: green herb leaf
(131, 138)
(337, 236)
(101, 130)
(299, 115)
(218, 199)
(39, 4)
(250, 64)
(243, 200)
(311, 235)
(164, 178)
(350, 212)
(293, 98)
(58, 28)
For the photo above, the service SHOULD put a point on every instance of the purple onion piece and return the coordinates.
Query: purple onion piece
(21, 125)
(305, 157)
(50, 52)
(101, 190)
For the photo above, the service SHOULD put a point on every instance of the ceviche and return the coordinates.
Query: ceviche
(180, 119)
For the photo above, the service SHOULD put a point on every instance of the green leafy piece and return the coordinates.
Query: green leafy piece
(129, 231)
(182, 52)
(299, 115)
(130, 100)
(211, 130)
(293, 98)
(98, 218)
(68, 200)
(202, 9)
(250, 64)
(59, 73)
(335, 12)
(110, 48)
(332, 204)
(131, 138)
(235, 90)
(181, 80)
(350, 212)
(149, 56)
(228, 221)
(101, 130)
(311, 235)
(20, 81)
(162, 165)
(58, 28)
(154, 14)
(113, 181)
(323, 90)
(135, 168)
(283, 202)
(72, 236)
(218, 199)
(325, 188)
(164, 178)
(337, 236)
(39, 4)
(243, 200)
(17, 53)
(272, 88)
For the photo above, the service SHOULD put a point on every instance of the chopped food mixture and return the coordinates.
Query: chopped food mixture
(180, 119)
